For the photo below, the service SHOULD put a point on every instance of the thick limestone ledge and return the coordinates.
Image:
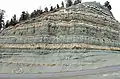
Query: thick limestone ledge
(59, 46)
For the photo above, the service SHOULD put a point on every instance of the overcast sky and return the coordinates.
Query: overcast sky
(17, 6)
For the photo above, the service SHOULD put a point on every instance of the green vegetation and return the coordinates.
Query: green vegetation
(77, 2)
(26, 16)
(51, 8)
(69, 3)
(107, 4)
(2, 18)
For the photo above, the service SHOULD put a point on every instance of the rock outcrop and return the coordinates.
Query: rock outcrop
(61, 38)
(89, 23)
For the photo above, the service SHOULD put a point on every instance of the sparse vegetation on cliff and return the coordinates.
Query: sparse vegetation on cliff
(107, 4)
(25, 15)
(69, 3)
(77, 2)
(2, 18)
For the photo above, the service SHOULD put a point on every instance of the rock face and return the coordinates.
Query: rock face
(65, 32)
(89, 23)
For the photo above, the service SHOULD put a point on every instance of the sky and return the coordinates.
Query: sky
(17, 6)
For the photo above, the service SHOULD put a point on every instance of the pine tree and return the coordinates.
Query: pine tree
(69, 3)
(46, 9)
(33, 14)
(40, 11)
(109, 7)
(1, 18)
(24, 16)
(58, 6)
(27, 15)
(77, 2)
(7, 24)
(107, 4)
(11, 22)
(51, 8)
(14, 20)
(62, 4)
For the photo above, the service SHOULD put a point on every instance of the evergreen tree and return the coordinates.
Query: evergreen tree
(24, 16)
(11, 22)
(14, 20)
(1, 18)
(38, 12)
(41, 11)
(58, 6)
(33, 14)
(69, 3)
(46, 9)
(62, 4)
(51, 8)
(77, 2)
(109, 7)
(107, 4)
(27, 15)
(7, 24)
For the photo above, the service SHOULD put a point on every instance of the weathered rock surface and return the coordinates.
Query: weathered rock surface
(88, 22)
(83, 26)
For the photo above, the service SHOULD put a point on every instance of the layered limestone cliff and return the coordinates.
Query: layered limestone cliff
(57, 41)
(88, 23)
